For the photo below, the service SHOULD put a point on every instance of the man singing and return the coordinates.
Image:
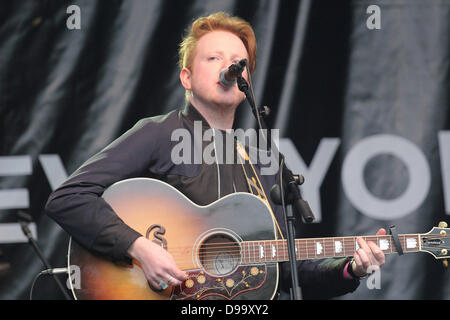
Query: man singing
(212, 44)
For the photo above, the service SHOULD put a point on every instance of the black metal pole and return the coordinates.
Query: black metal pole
(299, 205)
(33, 243)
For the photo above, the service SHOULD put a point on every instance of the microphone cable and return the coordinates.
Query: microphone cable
(45, 272)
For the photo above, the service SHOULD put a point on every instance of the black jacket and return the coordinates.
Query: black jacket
(145, 151)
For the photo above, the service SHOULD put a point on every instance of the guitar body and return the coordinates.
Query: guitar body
(205, 242)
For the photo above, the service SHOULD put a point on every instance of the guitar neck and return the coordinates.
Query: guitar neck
(318, 248)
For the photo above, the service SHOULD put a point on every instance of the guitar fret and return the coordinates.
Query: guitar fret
(257, 252)
(253, 252)
(319, 248)
(348, 246)
(261, 251)
(339, 247)
(303, 250)
(328, 248)
(249, 259)
(278, 250)
(313, 248)
(333, 243)
(306, 249)
(266, 251)
(310, 249)
(390, 244)
(273, 251)
(384, 244)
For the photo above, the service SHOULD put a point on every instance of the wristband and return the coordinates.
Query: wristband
(350, 270)
(347, 275)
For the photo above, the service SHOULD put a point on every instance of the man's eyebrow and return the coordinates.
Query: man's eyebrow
(215, 51)
(235, 55)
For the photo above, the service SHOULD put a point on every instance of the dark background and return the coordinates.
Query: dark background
(319, 68)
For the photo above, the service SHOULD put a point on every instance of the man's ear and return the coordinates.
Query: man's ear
(185, 78)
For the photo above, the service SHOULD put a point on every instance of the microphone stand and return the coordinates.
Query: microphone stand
(24, 220)
(293, 193)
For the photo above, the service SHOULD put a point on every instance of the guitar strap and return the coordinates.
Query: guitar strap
(253, 182)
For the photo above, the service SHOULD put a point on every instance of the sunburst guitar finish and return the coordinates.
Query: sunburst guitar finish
(205, 241)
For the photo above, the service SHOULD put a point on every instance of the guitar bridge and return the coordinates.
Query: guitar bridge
(201, 285)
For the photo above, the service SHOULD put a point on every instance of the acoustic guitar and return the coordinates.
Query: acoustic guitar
(229, 248)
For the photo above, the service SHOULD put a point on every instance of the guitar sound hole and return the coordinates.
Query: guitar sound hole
(219, 255)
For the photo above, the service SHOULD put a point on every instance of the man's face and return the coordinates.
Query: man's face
(215, 51)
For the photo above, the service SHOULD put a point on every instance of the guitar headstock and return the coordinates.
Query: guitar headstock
(437, 242)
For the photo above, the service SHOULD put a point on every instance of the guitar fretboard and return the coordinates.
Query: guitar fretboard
(318, 248)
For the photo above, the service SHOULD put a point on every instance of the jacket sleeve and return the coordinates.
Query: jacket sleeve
(322, 278)
(77, 205)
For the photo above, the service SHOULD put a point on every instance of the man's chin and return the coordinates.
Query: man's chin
(222, 103)
(226, 104)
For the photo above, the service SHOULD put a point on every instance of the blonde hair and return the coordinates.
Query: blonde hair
(217, 21)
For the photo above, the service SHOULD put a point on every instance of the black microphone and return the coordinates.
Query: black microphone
(228, 76)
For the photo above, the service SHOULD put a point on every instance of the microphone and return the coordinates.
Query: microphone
(228, 76)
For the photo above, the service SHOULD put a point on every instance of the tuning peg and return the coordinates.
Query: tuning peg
(443, 224)
(445, 263)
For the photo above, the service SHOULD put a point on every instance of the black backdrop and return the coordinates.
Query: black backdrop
(328, 77)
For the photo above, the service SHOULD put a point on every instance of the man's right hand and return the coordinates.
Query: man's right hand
(158, 264)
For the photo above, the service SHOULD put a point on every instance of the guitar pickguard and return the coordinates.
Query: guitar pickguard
(201, 285)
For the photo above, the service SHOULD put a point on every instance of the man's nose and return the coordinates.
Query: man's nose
(226, 63)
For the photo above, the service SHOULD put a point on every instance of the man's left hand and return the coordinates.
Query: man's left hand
(368, 254)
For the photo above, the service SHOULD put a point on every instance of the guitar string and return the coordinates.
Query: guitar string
(254, 256)
(279, 258)
(234, 250)
(326, 241)
(258, 248)
(254, 253)
(256, 259)
(267, 247)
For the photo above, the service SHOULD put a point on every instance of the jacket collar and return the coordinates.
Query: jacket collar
(192, 114)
